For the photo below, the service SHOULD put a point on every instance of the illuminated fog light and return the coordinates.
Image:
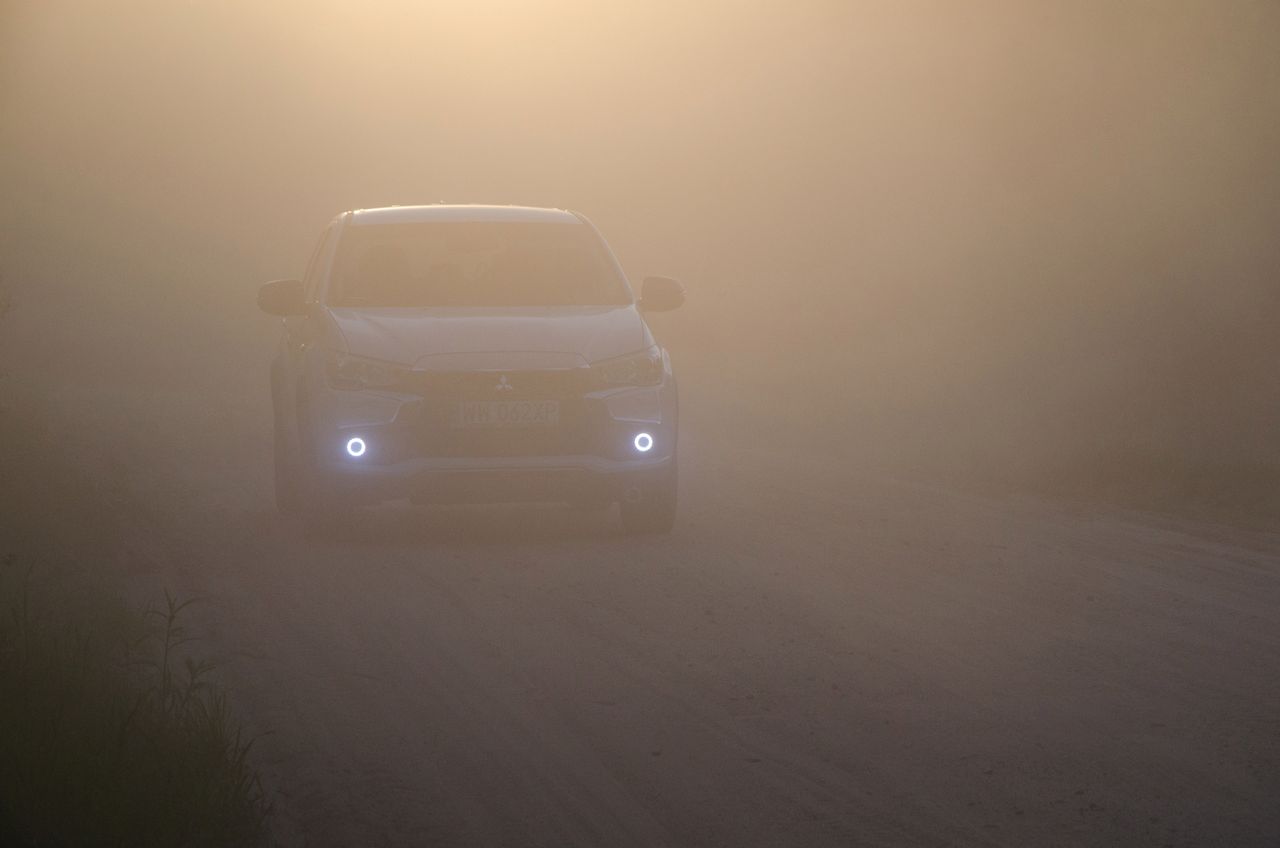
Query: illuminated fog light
(643, 442)
(356, 446)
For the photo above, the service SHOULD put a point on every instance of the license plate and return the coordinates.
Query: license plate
(507, 413)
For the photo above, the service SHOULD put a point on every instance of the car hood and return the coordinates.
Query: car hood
(533, 337)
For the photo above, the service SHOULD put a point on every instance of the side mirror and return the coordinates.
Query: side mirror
(661, 294)
(282, 297)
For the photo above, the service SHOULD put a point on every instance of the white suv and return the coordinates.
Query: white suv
(457, 354)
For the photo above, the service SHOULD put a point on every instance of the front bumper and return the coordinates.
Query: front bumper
(491, 482)
(409, 453)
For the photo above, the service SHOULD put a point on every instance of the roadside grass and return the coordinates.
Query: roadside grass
(111, 733)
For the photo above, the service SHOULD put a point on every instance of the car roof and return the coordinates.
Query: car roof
(459, 212)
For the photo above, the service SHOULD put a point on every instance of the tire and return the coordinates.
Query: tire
(300, 492)
(655, 512)
(288, 477)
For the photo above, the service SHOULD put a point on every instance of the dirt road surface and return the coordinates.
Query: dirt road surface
(819, 655)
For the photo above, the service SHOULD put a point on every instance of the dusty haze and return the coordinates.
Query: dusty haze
(1010, 235)
(980, 408)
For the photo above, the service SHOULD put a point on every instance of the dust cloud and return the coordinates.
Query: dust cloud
(978, 250)
(1007, 239)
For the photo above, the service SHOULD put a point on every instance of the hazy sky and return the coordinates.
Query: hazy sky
(973, 194)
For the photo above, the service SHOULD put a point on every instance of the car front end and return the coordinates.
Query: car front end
(566, 431)
(472, 354)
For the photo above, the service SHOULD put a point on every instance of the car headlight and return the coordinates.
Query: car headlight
(637, 369)
(358, 372)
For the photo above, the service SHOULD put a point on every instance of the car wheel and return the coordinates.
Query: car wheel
(288, 482)
(301, 493)
(655, 511)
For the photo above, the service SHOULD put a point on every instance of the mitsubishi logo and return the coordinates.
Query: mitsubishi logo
(504, 385)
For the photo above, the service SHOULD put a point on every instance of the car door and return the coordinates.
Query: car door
(300, 335)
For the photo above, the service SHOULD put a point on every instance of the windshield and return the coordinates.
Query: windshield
(497, 263)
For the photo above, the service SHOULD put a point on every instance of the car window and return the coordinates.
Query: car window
(475, 264)
(310, 281)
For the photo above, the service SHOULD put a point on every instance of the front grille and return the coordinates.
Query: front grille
(563, 384)
(581, 425)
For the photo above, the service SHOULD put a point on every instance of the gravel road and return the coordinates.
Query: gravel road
(819, 655)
